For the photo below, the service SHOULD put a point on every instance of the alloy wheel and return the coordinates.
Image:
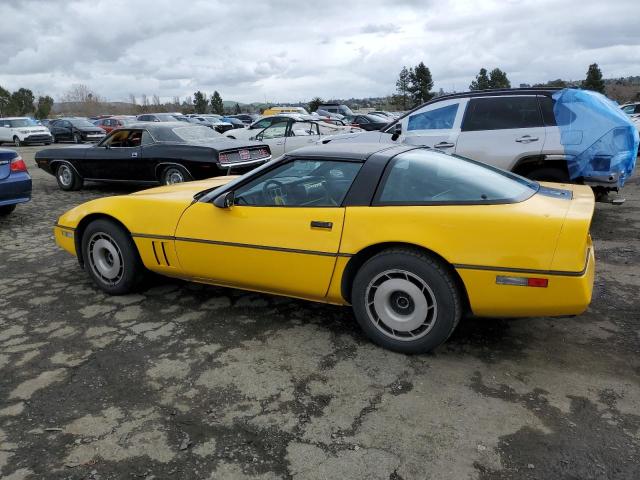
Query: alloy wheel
(105, 258)
(401, 305)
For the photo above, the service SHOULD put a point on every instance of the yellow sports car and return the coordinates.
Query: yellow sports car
(410, 237)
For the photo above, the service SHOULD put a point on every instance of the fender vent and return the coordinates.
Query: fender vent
(160, 253)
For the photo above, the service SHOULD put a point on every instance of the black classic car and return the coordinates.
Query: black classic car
(152, 153)
(75, 129)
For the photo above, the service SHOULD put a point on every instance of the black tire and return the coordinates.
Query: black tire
(174, 174)
(6, 210)
(549, 174)
(47, 143)
(17, 142)
(111, 258)
(77, 138)
(54, 139)
(413, 287)
(67, 178)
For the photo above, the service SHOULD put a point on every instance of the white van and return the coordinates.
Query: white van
(22, 131)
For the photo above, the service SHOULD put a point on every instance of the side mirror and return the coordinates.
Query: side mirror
(397, 131)
(224, 201)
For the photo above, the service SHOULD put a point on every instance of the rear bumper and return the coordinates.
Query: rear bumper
(15, 189)
(567, 293)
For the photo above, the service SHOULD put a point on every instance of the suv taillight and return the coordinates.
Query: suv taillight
(18, 165)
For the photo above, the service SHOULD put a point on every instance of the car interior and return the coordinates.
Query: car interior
(300, 183)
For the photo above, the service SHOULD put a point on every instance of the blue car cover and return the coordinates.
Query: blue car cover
(597, 136)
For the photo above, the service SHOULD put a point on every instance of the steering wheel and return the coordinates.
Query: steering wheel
(274, 191)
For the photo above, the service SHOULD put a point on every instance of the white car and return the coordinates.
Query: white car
(289, 133)
(22, 131)
(517, 130)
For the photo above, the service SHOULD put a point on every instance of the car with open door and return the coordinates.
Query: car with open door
(152, 153)
(410, 237)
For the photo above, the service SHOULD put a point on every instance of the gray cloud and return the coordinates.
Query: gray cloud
(284, 50)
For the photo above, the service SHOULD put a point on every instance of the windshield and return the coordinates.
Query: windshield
(20, 122)
(195, 133)
(81, 122)
(422, 177)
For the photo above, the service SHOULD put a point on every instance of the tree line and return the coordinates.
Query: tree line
(22, 102)
(414, 84)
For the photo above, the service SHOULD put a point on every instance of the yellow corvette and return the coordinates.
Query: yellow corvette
(410, 237)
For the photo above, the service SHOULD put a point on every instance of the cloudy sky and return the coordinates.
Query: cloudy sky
(293, 50)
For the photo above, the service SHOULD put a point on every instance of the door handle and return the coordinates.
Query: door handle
(280, 143)
(526, 139)
(444, 145)
(319, 224)
(134, 154)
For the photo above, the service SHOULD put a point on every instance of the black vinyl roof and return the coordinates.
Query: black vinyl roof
(346, 151)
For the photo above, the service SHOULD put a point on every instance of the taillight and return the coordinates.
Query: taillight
(223, 158)
(18, 165)
(263, 152)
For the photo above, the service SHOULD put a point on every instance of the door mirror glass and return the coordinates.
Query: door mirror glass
(225, 200)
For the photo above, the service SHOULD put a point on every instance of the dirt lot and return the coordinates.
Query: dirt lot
(184, 381)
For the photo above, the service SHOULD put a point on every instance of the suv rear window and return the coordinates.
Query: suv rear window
(501, 113)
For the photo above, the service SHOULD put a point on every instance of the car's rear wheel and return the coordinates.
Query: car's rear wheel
(173, 175)
(7, 209)
(549, 174)
(406, 300)
(111, 258)
(67, 178)
(17, 142)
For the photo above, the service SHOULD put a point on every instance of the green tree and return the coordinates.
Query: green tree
(21, 102)
(481, 82)
(421, 84)
(314, 104)
(594, 79)
(200, 102)
(498, 79)
(403, 85)
(237, 109)
(5, 99)
(216, 103)
(44, 106)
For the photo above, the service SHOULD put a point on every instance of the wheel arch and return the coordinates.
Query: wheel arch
(526, 165)
(53, 165)
(357, 260)
(82, 225)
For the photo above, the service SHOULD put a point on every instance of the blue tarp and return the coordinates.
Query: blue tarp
(596, 134)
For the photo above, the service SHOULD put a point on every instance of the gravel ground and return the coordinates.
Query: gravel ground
(185, 381)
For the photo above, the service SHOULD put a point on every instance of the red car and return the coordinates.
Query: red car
(111, 123)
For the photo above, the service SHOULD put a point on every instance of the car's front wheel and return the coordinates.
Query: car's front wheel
(77, 138)
(67, 178)
(17, 142)
(111, 258)
(7, 209)
(406, 300)
(549, 174)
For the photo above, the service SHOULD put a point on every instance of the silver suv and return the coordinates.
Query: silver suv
(513, 129)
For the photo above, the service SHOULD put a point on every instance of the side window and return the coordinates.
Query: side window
(118, 139)
(147, 139)
(501, 113)
(303, 129)
(555, 115)
(629, 109)
(274, 131)
(362, 120)
(143, 118)
(264, 123)
(438, 119)
(300, 183)
(420, 177)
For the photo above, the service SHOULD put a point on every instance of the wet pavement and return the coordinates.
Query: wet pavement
(185, 381)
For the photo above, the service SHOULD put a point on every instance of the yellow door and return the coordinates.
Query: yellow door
(277, 249)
